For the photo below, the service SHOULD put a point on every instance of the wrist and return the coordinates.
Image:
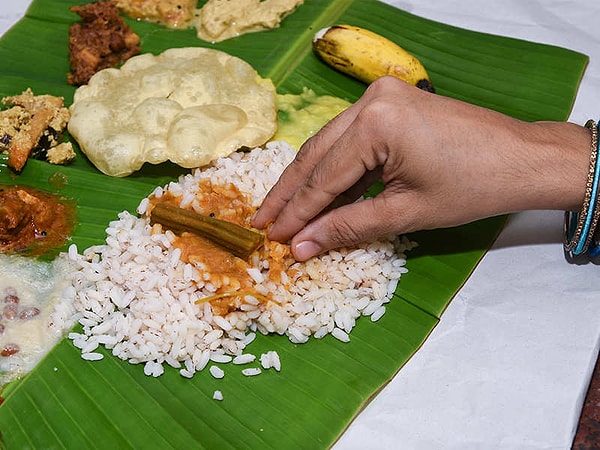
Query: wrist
(559, 166)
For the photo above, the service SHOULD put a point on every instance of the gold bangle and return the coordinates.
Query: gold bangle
(573, 245)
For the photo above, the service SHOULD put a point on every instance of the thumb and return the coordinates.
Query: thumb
(348, 225)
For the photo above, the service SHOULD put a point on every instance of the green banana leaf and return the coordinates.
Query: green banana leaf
(67, 402)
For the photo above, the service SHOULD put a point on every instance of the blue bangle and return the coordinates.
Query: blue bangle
(593, 249)
(579, 228)
(591, 218)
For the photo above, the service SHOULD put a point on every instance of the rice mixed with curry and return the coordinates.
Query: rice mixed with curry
(153, 296)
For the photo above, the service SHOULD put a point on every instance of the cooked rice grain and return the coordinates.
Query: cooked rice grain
(216, 372)
(134, 295)
(251, 371)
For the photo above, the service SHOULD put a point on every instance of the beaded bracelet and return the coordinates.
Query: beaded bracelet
(580, 228)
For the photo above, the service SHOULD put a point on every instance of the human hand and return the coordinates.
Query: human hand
(442, 162)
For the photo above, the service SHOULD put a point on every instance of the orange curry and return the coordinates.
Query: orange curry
(228, 273)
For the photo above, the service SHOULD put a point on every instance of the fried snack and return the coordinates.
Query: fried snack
(170, 13)
(34, 126)
(188, 105)
(100, 40)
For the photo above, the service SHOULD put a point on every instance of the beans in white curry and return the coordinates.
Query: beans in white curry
(11, 312)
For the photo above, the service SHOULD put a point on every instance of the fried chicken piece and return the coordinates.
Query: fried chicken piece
(101, 40)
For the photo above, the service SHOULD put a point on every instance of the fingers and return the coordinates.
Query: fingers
(290, 180)
(299, 169)
(337, 171)
(349, 225)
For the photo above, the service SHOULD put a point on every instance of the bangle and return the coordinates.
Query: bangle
(593, 210)
(579, 228)
(593, 249)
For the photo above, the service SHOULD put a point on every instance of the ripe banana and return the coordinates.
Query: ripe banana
(366, 55)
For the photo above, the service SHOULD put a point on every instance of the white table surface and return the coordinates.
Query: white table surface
(509, 364)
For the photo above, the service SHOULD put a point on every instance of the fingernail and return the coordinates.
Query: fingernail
(305, 250)
(253, 220)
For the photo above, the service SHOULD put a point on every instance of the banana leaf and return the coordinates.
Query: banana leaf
(66, 402)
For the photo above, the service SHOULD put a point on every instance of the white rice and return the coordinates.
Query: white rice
(246, 358)
(137, 298)
(270, 360)
(251, 371)
(216, 372)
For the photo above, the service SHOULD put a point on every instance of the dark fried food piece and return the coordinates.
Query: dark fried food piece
(23, 143)
(100, 40)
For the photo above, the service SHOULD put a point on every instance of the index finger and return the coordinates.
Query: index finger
(300, 168)
(344, 164)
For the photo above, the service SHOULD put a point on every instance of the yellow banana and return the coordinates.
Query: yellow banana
(366, 55)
